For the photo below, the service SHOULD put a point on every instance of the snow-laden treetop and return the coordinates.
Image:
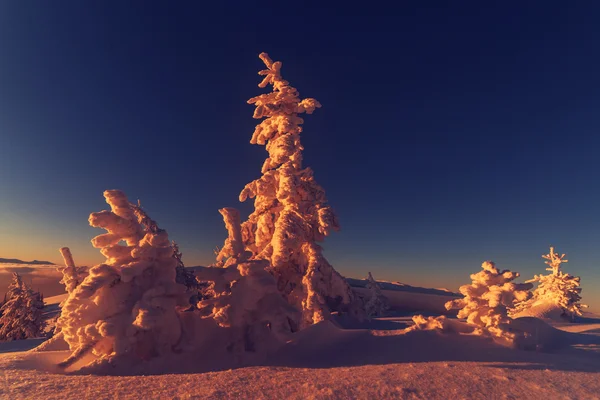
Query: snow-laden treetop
(554, 260)
(281, 126)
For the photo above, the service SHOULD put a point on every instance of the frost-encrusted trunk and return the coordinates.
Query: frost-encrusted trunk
(557, 289)
(127, 305)
(291, 213)
(488, 299)
(72, 275)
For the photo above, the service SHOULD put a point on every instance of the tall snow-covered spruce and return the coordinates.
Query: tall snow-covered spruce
(125, 307)
(558, 290)
(291, 213)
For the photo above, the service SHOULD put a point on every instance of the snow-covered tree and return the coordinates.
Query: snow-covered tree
(21, 313)
(488, 299)
(558, 288)
(378, 304)
(183, 276)
(244, 299)
(125, 307)
(291, 213)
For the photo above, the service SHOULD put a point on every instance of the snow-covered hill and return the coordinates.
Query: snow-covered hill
(380, 359)
(406, 298)
(326, 362)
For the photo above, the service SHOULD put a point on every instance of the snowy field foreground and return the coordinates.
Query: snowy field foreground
(327, 361)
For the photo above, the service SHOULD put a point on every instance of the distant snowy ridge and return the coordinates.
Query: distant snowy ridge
(17, 261)
(401, 287)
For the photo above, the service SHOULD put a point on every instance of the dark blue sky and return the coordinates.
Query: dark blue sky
(448, 134)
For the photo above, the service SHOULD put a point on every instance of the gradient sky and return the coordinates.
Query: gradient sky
(447, 136)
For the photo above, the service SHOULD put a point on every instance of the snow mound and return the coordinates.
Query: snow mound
(535, 334)
(544, 309)
(55, 300)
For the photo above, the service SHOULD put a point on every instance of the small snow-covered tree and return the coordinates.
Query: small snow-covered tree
(244, 299)
(488, 298)
(125, 307)
(183, 276)
(291, 213)
(378, 304)
(557, 288)
(21, 313)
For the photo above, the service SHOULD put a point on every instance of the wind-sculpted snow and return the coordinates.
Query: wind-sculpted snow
(291, 213)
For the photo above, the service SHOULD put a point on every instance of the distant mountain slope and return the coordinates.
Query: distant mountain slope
(16, 261)
(401, 287)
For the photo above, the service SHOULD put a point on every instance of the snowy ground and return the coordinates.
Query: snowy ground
(325, 361)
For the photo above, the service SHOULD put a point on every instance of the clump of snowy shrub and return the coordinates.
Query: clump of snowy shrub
(291, 213)
(126, 306)
(378, 304)
(245, 298)
(558, 289)
(21, 313)
(428, 323)
(488, 298)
